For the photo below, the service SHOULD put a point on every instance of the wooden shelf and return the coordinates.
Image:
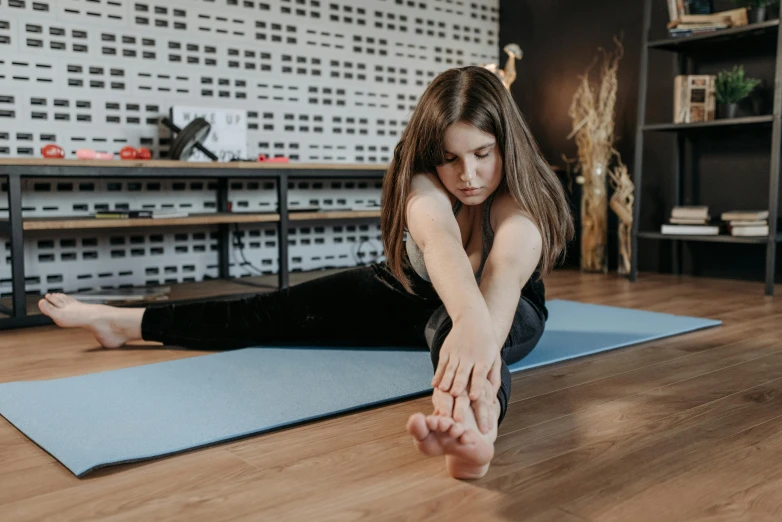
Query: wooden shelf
(70, 223)
(77, 223)
(170, 164)
(732, 35)
(721, 238)
(340, 214)
(733, 122)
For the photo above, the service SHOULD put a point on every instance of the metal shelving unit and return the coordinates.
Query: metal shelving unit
(15, 170)
(684, 48)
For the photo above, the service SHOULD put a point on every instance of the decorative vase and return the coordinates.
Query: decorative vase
(727, 110)
(757, 14)
(594, 221)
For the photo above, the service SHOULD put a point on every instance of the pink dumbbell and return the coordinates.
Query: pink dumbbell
(91, 154)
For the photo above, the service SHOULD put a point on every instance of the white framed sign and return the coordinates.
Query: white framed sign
(227, 138)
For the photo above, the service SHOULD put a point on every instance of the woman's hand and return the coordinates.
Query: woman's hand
(448, 406)
(469, 356)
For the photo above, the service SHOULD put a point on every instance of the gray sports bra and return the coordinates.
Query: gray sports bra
(416, 256)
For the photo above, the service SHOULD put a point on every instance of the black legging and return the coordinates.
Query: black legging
(364, 306)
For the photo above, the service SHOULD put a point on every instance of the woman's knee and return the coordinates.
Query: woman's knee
(525, 332)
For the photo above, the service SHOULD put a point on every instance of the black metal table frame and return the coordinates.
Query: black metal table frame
(15, 173)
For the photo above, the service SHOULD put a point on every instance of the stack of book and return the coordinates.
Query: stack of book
(690, 221)
(746, 223)
(688, 24)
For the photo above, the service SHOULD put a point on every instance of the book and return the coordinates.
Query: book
(694, 98)
(691, 212)
(115, 295)
(689, 221)
(758, 223)
(691, 230)
(754, 231)
(744, 215)
(732, 18)
(673, 13)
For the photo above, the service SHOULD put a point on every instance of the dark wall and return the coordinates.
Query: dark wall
(725, 170)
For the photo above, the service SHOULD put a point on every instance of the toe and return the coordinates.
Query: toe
(444, 424)
(416, 426)
(44, 306)
(457, 430)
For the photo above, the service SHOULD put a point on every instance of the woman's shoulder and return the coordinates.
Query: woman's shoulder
(504, 207)
(426, 183)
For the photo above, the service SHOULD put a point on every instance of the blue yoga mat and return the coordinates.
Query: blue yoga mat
(100, 419)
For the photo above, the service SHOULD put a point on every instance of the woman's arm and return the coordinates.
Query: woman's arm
(433, 227)
(471, 350)
(513, 258)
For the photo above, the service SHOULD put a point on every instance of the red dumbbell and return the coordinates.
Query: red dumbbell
(52, 151)
(128, 153)
(143, 153)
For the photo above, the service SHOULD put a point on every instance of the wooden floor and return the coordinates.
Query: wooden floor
(686, 428)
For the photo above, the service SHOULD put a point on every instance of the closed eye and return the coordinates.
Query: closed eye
(449, 160)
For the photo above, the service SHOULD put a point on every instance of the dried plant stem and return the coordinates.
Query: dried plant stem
(592, 112)
(622, 204)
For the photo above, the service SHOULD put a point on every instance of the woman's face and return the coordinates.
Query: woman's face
(473, 166)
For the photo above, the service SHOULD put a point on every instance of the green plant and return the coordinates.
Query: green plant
(732, 86)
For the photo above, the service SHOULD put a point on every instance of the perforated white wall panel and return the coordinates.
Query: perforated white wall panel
(322, 81)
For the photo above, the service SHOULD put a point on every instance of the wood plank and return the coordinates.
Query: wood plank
(566, 401)
(581, 436)
(170, 164)
(214, 218)
(336, 214)
(547, 379)
(743, 467)
(742, 314)
(621, 443)
(129, 488)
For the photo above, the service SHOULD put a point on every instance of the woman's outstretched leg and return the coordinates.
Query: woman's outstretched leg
(468, 450)
(361, 306)
(112, 326)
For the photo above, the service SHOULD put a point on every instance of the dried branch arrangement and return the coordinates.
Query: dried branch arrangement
(592, 111)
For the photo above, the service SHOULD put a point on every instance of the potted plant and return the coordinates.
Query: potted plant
(757, 9)
(730, 88)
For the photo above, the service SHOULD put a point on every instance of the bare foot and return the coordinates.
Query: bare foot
(111, 326)
(468, 451)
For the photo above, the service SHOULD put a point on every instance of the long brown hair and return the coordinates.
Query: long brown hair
(475, 96)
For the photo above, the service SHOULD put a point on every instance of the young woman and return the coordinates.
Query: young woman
(485, 218)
